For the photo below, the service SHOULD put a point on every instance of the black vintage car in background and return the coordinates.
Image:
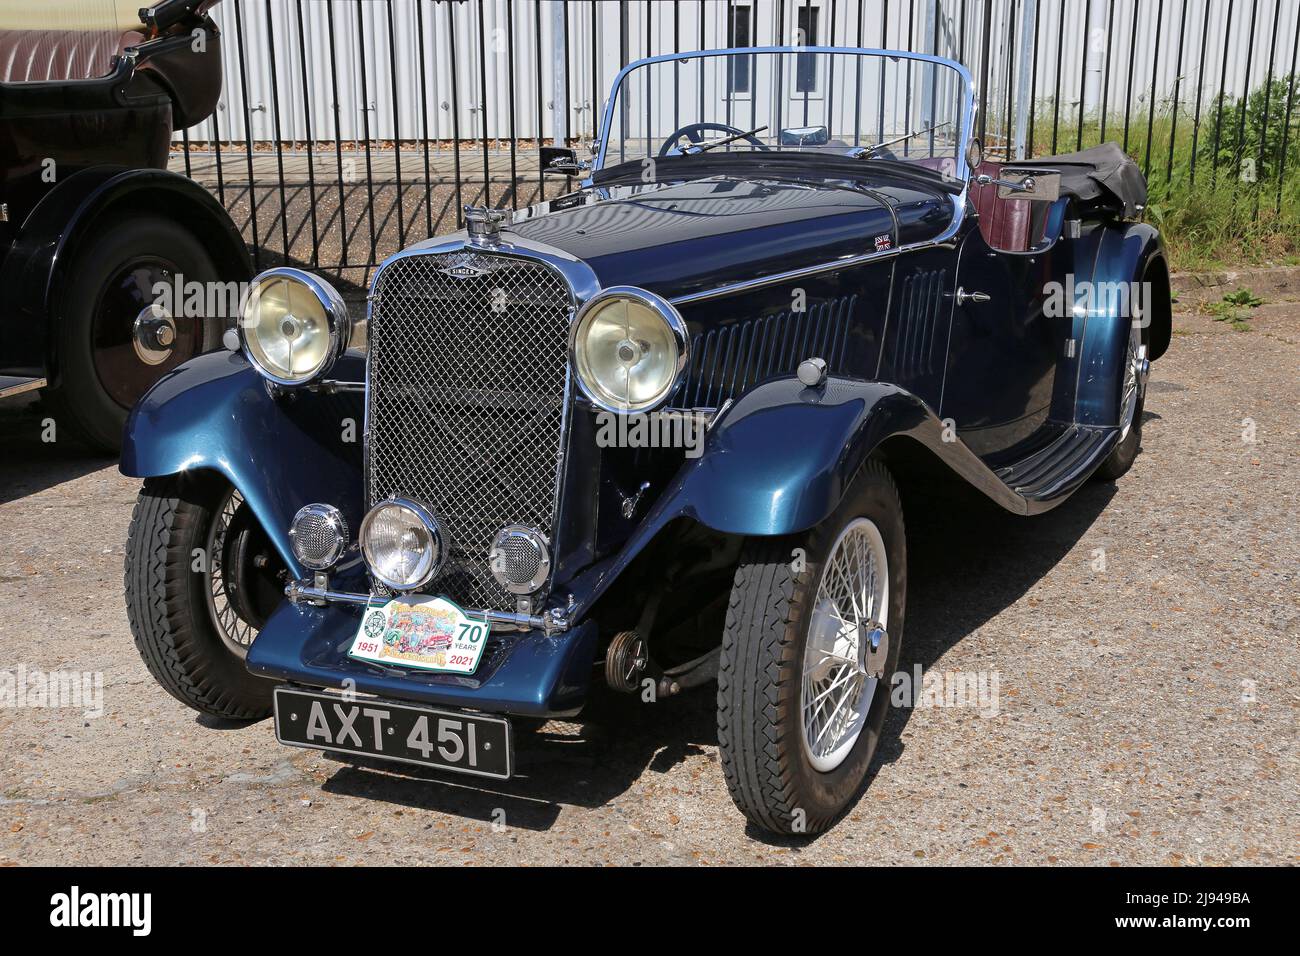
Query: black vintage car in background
(90, 219)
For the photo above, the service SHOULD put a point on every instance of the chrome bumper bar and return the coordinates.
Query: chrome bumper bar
(554, 621)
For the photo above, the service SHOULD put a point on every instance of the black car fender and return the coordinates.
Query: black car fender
(36, 268)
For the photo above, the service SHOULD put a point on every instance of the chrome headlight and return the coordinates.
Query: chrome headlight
(628, 348)
(402, 543)
(318, 535)
(294, 326)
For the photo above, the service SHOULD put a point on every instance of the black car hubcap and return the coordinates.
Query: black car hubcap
(134, 339)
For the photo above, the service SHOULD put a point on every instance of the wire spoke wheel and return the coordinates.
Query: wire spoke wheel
(236, 632)
(851, 607)
(1132, 389)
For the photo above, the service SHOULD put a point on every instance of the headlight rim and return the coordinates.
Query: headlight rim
(336, 315)
(437, 534)
(666, 311)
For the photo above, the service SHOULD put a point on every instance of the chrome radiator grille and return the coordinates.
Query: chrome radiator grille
(465, 411)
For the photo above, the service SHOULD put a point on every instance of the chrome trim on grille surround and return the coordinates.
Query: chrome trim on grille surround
(582, 285)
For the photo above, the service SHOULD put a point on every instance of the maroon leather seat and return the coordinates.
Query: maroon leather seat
(45, 56)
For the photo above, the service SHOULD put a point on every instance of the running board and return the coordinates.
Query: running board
(1062, 465)
(17, 384)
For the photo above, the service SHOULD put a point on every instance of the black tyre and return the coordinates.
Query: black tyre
(108, 349)
(180, 594)
(790, 634)
(1132, 397)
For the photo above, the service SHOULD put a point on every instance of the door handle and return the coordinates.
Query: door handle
(963, 296)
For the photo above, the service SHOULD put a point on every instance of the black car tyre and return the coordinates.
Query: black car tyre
(801, 631)
(189, 637)
(1132, 397)
(103, 363)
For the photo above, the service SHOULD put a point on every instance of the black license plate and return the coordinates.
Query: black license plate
(451, 740)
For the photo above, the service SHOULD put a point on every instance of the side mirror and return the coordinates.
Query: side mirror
(559, 161)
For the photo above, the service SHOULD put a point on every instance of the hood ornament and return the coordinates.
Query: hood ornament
(483, 224)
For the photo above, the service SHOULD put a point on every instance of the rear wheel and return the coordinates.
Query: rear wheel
(1133, 387)
(114, 339)
(812, 636)
(201, 578)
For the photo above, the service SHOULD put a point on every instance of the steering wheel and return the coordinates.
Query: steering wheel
(694, 131)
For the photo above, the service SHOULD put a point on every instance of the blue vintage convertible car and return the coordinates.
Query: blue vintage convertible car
(651, 432)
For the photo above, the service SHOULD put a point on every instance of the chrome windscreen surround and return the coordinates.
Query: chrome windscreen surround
(468, 393)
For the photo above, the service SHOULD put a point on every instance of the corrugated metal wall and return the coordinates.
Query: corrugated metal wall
(443, 69)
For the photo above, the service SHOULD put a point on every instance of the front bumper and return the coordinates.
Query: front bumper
(529, 673)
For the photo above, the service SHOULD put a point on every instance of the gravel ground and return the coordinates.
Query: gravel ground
(1143, 637)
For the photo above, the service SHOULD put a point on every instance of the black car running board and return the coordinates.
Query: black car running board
(1063, 465)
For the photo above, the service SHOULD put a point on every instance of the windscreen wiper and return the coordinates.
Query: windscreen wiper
(866, 151)
(705, 147)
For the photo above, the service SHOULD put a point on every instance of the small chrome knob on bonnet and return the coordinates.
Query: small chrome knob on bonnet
(812, 372)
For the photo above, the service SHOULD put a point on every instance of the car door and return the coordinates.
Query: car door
(1003, 348)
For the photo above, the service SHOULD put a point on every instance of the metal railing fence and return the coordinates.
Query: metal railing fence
(348, 129)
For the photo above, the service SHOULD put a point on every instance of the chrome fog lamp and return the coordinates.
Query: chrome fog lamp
(319, 536)
(294, 326)
(402, 543)
(520, 559)
(628, 347)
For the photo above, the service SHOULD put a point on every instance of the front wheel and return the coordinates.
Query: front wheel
(201, 577)
(812, 637)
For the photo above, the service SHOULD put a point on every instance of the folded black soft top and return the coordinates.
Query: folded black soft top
(1102, 176)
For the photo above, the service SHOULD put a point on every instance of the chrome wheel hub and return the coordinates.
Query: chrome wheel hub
(153, 334)
(848, 645)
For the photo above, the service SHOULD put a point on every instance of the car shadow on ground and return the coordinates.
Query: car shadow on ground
(968, 560)
(37, 453)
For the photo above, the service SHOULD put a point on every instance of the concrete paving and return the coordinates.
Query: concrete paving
(1144, 638)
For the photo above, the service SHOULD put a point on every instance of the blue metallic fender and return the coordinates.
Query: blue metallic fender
(281, 451)
(780, 459)
(1124, 254)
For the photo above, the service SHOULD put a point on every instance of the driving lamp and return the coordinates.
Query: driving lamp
(402, 543)
(318, 535)
(628, 347)
(294, 326)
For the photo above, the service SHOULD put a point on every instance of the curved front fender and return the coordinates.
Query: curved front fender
(215, 413)
(780, 460)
